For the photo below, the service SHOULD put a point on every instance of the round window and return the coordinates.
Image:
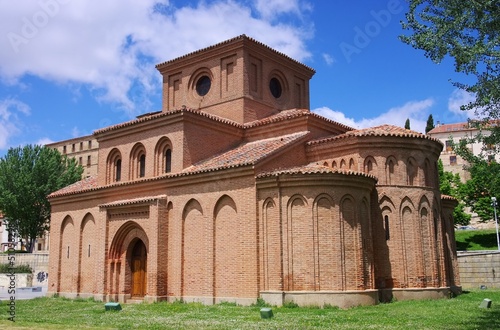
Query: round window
(275, 87)
(203, 85)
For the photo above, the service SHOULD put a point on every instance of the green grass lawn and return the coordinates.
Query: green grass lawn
(470, 240)
(462, 312)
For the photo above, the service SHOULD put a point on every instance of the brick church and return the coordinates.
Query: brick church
(235, 190)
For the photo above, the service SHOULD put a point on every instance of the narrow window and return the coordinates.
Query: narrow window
(81, 146)
(168, 161)
(90, 144)
(67, 253)
(386, 224)
(89, 160)
(118, 170)
(64, 150)
(142, 166)
(89, 251)
(436, 228)
(80, 160)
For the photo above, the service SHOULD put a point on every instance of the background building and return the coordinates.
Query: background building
(84, 149)
(450, 134)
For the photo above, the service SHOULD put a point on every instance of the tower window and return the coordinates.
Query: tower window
(275, 87)
(203, 85)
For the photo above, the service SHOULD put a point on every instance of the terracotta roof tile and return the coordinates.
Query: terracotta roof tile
(89, 183)
(448, 197)
(383, 130)
(133, 201)
(313, 169)
(461, 127)
(290, 114)
(242, 37)
(246, 154)
(156, 115)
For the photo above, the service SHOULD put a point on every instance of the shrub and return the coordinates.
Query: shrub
(17, 269)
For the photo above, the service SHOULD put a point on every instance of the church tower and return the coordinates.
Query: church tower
(240, 79)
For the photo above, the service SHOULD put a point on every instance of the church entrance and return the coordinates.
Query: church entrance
(138, 269)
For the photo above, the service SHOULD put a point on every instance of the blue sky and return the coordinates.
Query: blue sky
(69, 67)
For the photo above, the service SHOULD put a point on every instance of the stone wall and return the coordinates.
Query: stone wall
(478, 269)
(39, 262)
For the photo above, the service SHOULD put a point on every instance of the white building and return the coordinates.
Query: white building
(450, 134)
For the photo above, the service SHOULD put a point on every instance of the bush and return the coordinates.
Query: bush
(17, 269)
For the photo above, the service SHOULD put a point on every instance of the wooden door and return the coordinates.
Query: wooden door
(138, 265)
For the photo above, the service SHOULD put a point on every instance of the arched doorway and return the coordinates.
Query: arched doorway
(138, 265)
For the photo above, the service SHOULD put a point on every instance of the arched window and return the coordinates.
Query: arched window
(114, 166)
(118, 170)
(369, 164)
(163, 156)
(411, 172)
(142, 165)
(168, 161)
(390, 170)
(137, 162)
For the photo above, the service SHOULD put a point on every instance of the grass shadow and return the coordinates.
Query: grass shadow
(474, 240)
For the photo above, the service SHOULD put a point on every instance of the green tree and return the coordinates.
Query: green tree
(407, 123)
(430, 124)
(468, 32)
(483, 184)
(450, 185)
(27, 176)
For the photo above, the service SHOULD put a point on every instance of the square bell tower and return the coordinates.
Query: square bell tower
(240, 79)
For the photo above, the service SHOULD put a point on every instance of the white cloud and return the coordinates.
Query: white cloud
(270, 9)
(111, 47)
(44, 141)
(336, 116)
(458, 98)
(329, 59)
(416, 111)
(9, 119)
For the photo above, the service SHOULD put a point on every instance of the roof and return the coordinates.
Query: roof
(290, 114)
(240, 38)
(462, 127)
(155, 115)
(133, 201)
(279, 117)
(446, 128)
(88, 183)
(383, 130)
(314, 169)
(246, 154)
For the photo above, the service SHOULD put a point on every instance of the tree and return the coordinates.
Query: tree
(27, 176)
(407, 123)
(483, 184)
(430, 124)
(467, 31)
(450, 184)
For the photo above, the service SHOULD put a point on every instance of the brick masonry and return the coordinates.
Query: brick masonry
(244, 193)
